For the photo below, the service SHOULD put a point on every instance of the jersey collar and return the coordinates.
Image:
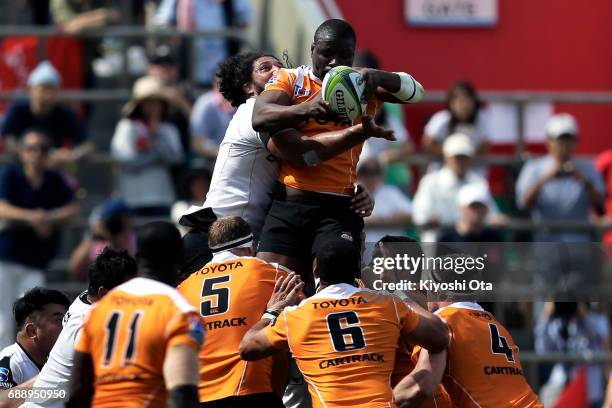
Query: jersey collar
(222, 257)
(462, 305)
(336, 291)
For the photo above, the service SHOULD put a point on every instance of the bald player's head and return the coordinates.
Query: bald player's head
(335, 29)
(160, 251)
(231, 234)
(334, 45)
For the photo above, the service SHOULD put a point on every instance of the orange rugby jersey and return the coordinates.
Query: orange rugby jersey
(344, 341)
(483, 367)
(336, 175)
(231, 294)
(127, 334)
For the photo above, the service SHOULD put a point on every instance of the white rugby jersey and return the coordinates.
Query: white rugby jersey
(244, 174)
(55, 374)
(16, 366)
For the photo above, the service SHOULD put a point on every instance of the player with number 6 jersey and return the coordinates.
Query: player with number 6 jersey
(344, 338)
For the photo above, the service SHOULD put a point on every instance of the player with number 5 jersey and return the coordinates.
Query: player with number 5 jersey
(344, 338)
(231, 293)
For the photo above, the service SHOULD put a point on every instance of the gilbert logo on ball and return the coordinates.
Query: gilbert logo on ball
(342, 90)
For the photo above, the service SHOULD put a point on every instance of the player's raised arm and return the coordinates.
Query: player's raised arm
(396, 87)
(181, 376)
(260, 342)
(292, 146)
(422, 381)
(81, 381)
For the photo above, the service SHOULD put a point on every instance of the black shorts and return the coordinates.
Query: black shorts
(267, 399)
(298, 226)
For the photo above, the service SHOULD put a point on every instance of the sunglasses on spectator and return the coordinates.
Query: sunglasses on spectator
(42, 148)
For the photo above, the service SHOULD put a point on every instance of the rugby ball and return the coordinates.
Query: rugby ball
(343, 90)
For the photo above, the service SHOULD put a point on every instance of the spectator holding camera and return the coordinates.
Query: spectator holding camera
(559, 187)
(146, 146)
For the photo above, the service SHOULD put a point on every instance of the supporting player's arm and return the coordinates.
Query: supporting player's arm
(256, 344)
(181, 376)
(422, 381)
(291, 146)
(273, 111)
(430, 332)
(81, 381)
(395, 87)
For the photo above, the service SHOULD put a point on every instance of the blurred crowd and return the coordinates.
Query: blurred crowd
(165, 144)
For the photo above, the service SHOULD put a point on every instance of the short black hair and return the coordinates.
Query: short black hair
(111, 268)
(34, 301)
(159, 245)
(335, 29)
(236, 71)
(338, 261)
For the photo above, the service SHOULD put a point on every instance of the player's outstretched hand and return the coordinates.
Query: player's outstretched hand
(316, 108)
(286, 292)
(371, 129)
(362, 202)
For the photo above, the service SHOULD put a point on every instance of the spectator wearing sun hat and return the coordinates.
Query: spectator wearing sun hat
(67, 134)
(146, 145)
(436, 199)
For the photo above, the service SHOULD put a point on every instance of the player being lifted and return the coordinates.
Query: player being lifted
(139, 344)
(313, 204)
(231, 292)
(343, 338)
(480, 368)
(247, 168)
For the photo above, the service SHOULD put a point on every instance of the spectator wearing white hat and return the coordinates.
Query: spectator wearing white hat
(558, 186)
(60, 123)
(436, 199)
(474, 203)
(146, 145)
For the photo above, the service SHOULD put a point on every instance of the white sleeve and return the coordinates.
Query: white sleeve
(437, 127)
(401, 202)
(422, 205)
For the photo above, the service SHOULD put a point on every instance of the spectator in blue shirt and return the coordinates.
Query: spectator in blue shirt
(558, 187)
(65, 130)
(34, 202)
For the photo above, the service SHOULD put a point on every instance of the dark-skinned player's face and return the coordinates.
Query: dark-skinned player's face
(328, 53)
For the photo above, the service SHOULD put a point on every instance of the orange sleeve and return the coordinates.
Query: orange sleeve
(186, 328)
(277, 332)
(408, 318)
(283, 81)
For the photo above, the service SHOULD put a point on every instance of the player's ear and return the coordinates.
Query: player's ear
(312, 47)
(30, 330)
(101, 292)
